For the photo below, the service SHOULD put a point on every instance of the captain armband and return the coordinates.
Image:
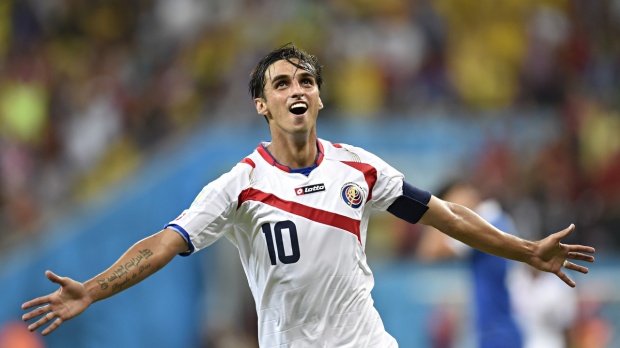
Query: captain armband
(412, 205)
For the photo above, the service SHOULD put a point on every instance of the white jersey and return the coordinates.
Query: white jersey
(301, 241)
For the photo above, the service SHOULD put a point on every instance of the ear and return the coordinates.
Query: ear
(320, 103)
(261, 106)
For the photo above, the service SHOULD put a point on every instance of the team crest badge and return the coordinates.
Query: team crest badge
(352, 194)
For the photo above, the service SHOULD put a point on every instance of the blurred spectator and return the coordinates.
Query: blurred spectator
(542, 79)
(442, 327)
(591, 329)
(16, 335)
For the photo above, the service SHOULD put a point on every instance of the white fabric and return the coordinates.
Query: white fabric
(543, 306)
(323, 299)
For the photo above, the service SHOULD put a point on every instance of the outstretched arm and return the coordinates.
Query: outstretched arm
(547, 254)
(136, 264)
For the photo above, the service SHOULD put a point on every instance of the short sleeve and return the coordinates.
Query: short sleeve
(211, 215)
(389, 182)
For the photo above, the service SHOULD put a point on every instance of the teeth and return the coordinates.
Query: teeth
(298, 108)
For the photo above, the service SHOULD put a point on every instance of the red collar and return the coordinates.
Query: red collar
(266, 155)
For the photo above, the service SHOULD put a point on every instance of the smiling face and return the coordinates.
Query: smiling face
(290, 99)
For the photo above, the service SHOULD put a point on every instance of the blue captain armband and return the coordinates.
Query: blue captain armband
(412, 205)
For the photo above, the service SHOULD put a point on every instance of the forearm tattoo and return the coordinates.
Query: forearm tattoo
(120, 277)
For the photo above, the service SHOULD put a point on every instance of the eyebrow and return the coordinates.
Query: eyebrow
(286, 76)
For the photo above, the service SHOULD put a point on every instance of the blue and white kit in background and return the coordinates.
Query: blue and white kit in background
(301, 240)
(496, 325)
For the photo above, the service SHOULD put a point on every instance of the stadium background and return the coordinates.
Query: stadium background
(114, 114)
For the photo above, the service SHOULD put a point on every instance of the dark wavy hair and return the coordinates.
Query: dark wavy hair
(287, 52)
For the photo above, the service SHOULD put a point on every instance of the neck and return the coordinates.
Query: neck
(294, 152)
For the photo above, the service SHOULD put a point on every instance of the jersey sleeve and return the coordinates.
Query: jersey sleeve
(212, 214)
(388, 182)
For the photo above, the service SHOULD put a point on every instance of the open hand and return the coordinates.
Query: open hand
(552, 256)
(63, 304)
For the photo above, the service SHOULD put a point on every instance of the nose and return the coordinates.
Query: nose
(296, 89)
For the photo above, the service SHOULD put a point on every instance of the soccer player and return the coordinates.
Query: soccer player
(297, 209)
(495, 323)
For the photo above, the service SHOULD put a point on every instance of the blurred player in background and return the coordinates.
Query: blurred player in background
(495, 324)
(297, 209)
(544, 308)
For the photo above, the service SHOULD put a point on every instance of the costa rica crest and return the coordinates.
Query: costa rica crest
(352, 194)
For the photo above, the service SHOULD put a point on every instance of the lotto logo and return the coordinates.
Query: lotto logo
(309, 189)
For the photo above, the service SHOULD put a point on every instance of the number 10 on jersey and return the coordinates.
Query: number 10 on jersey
(279, 241)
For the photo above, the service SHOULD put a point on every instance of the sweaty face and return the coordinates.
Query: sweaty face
(291, 101)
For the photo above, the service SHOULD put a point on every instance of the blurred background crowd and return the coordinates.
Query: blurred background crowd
(88, 89)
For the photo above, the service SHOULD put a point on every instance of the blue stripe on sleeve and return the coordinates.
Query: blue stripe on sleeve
(180, 230)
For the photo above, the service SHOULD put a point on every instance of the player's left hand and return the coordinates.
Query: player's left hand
(552, 256)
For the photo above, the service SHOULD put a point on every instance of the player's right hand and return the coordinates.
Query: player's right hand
(63, 304)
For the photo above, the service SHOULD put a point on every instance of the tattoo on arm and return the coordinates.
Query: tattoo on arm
(130, 270)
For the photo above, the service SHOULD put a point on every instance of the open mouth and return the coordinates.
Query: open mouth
(298, 108)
